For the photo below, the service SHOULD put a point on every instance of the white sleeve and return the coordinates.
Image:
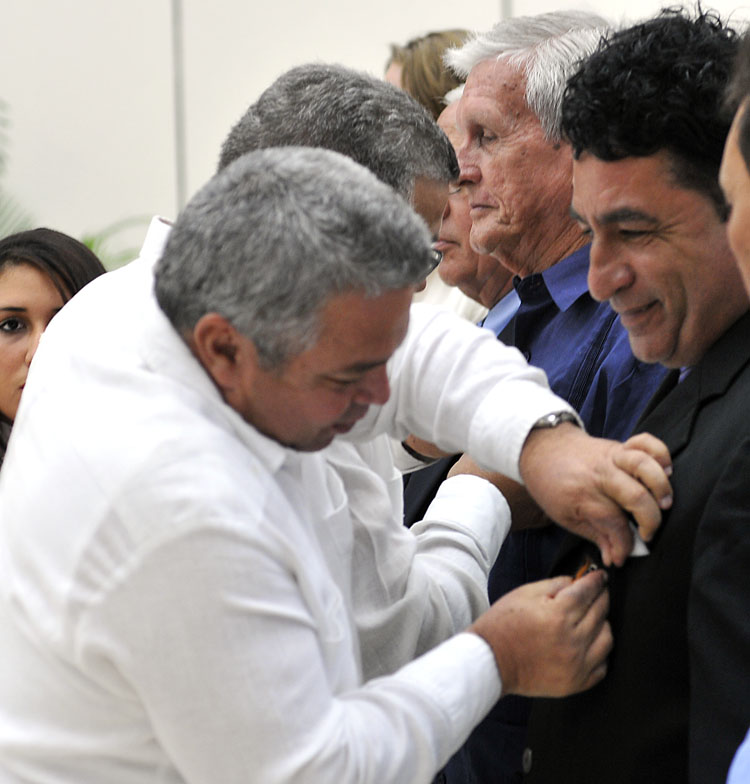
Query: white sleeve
(420, 586)
(456, 385)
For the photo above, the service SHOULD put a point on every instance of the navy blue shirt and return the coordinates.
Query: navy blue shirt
(585, 352)
(582, 347)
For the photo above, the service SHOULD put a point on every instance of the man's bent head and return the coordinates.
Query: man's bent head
(290, 276)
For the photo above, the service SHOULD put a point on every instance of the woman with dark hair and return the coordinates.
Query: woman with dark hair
(40, 270)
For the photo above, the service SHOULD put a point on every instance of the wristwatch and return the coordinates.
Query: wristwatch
(554, 419)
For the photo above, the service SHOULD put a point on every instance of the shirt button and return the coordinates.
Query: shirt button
(527, 356)
(526, 760)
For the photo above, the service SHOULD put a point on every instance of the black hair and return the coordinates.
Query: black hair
(68, 263)
(655, 86)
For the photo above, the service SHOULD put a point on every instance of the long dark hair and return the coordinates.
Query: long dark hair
(68, 263)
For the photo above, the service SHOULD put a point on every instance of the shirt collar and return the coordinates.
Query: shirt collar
(156, 238)
(567, 280)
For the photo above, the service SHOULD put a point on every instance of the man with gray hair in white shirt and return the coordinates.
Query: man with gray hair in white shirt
(175, 587)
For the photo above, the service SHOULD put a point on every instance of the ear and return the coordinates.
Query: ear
(226, 355)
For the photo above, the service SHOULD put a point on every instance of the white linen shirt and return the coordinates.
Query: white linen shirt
(175, 588)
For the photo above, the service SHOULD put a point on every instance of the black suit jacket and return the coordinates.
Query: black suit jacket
(675, 703)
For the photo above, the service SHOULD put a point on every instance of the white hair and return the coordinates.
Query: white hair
(547, 48)
(453, 95)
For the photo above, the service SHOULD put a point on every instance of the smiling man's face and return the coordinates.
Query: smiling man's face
(659, 254)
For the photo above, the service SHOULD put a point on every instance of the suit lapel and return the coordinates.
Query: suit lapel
(671, 413)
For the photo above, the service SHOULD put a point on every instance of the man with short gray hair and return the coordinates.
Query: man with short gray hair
(175, 590)
(375, 124)
(433, 583)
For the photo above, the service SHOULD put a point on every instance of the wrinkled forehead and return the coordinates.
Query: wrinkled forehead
(496, 101)
(499, 81)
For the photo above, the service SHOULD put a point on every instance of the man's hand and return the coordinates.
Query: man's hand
(550, 638)
(588, 485)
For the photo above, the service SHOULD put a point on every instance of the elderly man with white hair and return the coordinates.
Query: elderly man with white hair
(516, 170)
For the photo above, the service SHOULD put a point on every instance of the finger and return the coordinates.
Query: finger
(645, 490)
(548, 588)
(654, 446)
(632, 497)
(595, 666)
(596, 675)
(612, 535)
(579, 595)
(648, 471)
(595, 617)
(553, 585)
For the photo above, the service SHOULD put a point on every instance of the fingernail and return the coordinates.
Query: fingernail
(668, 470)
(666, 502)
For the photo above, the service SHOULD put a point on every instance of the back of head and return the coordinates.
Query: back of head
(655, 86)
(424, 75)
(278, 232)
(66, 261)
(547, 48)
(364, 118)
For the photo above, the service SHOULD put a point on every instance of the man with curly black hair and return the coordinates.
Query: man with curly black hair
(643, 115)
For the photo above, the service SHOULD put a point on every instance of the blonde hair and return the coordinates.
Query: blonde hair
(424, 75)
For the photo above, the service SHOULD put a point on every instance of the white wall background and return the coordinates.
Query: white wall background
(89, 85)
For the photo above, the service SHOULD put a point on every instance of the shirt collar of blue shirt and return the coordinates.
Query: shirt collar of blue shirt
(567, 280)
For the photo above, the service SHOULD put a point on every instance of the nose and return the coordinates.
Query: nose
(32, 345)
(469, 170)
(374, 387)
(608, 272)
(470, 174)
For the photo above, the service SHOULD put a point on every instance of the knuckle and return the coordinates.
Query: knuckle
(638, 496)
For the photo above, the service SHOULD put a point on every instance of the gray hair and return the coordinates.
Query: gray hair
(547, 47)
(367, 119)
(268, 240)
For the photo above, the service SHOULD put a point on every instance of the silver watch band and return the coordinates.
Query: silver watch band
(554, 419)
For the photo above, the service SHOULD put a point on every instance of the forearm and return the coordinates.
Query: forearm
(431, 580)
(458, 387)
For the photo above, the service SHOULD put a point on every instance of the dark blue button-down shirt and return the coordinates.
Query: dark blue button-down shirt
(583, 348)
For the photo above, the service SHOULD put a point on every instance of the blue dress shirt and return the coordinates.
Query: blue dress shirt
(501, 313)
(739, 771)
